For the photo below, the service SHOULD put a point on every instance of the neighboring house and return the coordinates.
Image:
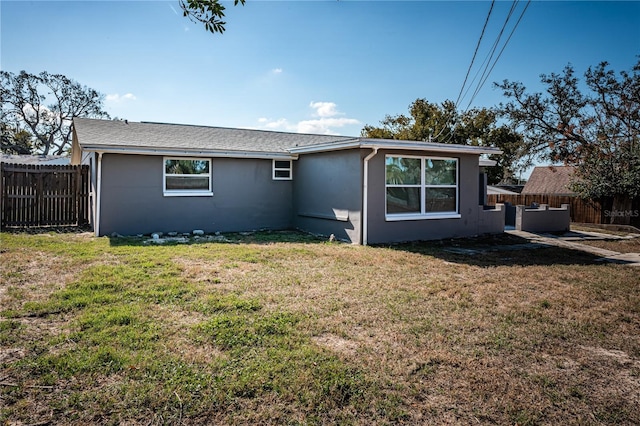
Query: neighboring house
(150, 177)
(550, 180)
(36, 160)
(498, 190)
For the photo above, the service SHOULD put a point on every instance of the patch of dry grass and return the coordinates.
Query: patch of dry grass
(621, 246)
(359, 335)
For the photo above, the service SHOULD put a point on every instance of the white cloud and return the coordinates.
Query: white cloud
(279, 124)
(276, 71)
(325, 109)
(46, 115)
(324, 126)
(115, 97)
(326, 123)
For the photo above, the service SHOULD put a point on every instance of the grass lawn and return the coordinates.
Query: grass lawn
(621, 246)
(280, 328)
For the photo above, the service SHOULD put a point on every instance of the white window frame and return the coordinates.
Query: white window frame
(185, 192)
(280, 169)
(423, 187)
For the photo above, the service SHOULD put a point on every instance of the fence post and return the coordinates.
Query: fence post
(39, 207)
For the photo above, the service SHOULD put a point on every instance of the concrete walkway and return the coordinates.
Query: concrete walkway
(571, 240)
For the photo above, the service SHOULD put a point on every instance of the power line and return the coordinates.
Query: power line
(487, 59)
(487, 65)
(475, 53)
(483, 81)
(446, 125)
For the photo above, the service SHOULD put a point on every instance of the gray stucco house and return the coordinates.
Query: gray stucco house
(149, 177)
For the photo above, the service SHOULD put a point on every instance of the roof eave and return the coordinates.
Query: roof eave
(428, 146)
(392, 144)
(109, 149)
(348, 144)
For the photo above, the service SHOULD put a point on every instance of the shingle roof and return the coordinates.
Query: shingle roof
(111, 133)
(42, 160)
(497, 190)
(550, 180)
(157, 138)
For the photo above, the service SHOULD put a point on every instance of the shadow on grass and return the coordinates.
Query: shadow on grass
(258, 237)
(39, 230)
(491, 250)
(499, 250)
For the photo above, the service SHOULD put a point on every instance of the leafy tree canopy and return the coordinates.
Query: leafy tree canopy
(11, 142)
(207, 12)
(36, 111)
(445, 124)
(595, 127)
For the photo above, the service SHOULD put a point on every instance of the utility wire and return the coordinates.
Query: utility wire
(475, 53)
(489, 66)
(460, 97)
(485, 64)
(487, 60)
(475, 93)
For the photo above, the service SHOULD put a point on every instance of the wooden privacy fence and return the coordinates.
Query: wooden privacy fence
(35, 196)
(581, 211)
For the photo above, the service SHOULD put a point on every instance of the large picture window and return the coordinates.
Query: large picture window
(421, 187)
(187, 177)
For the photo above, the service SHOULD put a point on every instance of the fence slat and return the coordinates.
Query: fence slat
(35, 196)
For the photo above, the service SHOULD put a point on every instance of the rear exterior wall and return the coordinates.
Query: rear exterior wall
(244, 198)
(381, 230)
(327, 195)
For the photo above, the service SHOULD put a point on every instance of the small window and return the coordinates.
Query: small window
(187, 177)
(282, 169)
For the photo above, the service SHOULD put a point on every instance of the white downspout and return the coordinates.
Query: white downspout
(365, 195)
(98, 195)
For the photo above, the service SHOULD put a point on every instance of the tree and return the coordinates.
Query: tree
(11, 142)
(445, 124)
(207, 12)
(24, 108)
(596, 131)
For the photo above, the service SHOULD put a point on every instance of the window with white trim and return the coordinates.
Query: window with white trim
(421, 187)
(187, 177)
(282, 169)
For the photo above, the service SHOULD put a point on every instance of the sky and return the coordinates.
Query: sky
(326, 67)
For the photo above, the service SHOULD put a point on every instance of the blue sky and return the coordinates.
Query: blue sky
(307, 66)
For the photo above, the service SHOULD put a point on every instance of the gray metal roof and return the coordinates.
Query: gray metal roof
(161, 138)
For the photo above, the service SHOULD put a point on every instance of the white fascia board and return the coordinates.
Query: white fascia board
(487, 163)
(428, 146)
(189, 153)
(336, 146)
(393, 144)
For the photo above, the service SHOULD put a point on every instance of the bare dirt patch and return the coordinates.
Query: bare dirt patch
(336, 344)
